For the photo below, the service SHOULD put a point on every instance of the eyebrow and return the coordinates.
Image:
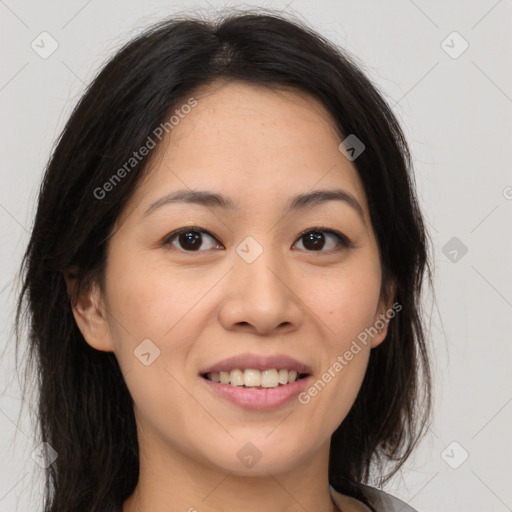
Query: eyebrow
(214, 200)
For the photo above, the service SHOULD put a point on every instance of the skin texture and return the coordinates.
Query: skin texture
(258, 147)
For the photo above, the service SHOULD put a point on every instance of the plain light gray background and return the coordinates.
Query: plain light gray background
(455, 108)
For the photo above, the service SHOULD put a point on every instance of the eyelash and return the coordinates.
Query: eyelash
(342, 239)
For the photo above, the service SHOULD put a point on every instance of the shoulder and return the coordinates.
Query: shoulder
(382, 501)
(378, 499)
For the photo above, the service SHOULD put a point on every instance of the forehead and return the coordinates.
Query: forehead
(245, 140)
(275, 116)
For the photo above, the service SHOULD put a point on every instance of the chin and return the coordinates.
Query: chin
(258, 458)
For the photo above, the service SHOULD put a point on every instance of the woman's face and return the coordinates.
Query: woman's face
(267, 276)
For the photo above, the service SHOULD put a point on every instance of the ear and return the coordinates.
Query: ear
(385, 312)
(90, 313)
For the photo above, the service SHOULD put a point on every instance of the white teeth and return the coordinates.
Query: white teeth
(252, 378)
(269, 378)
(236, 378)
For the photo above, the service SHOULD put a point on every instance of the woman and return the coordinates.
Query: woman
(223, 280)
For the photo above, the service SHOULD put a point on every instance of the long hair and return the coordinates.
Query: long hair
(85, 411)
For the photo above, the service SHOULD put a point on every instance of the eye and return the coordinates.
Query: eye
(315, 240)
(190, 239)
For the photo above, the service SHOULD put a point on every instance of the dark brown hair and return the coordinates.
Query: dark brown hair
(85, 410)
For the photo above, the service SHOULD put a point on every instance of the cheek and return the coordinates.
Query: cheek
(146, 302)
(347, 304)
(152, 301)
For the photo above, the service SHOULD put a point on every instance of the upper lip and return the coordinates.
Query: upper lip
(258, 362)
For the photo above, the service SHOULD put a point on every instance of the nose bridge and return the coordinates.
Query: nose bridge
(259, 293)
(259, 264)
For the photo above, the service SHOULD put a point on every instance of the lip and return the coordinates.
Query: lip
(258, 362)
(258, 399)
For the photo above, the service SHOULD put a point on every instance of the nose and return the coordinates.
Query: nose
(261, 297)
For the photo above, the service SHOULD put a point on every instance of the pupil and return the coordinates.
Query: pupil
(190, 237)
(316, 240)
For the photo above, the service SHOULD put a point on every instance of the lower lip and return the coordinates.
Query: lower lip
(258, 399)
